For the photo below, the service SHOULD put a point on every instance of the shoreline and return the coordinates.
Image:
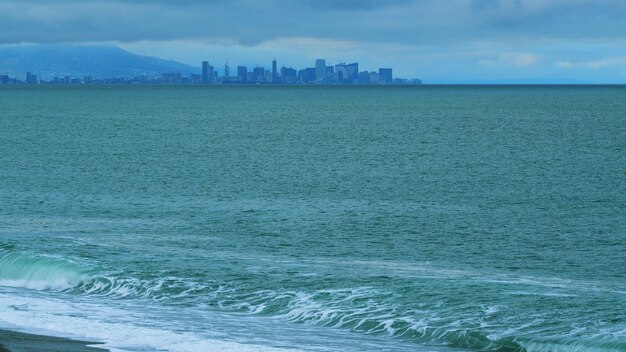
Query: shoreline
(13, 341)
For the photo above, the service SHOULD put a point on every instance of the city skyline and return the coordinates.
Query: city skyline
(450, 41)
(323, 72)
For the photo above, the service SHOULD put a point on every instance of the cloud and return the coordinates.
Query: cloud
(465, 38)
(513, 59)
(593, 64)
(249, 22)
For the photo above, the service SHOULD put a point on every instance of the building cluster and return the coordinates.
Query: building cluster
(321, 73)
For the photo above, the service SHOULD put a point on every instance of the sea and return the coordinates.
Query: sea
(315, 218)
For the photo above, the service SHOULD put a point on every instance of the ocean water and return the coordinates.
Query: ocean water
(263, 218)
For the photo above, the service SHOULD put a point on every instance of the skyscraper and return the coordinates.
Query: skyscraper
(288, 75)
(386, 75)
(226, 69)
(258, 74)
(205, 71)
(212, 74)
(242, 73)
(320, 70)
(309, 75)
(274, 73)
(353, 71)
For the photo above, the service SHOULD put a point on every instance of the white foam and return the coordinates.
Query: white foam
(117, 328)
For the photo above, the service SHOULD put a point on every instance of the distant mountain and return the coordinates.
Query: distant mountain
(98, 61)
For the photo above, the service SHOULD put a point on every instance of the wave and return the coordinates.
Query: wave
(572, 346)
(364, 310)
(47, 273)
(38, 272)
(369, 310)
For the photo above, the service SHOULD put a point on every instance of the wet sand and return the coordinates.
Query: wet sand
(11, 341)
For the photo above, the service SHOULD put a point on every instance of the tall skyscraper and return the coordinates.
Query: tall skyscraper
(226, 69)
(320, 70)
(212, 74)
(274, 73)
(242, 73)
(205, 71)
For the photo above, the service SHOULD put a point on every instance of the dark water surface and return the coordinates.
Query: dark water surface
(259, 218)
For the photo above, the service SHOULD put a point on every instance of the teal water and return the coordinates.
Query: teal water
(316, 218)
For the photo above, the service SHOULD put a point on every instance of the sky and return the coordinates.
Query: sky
(439, 41)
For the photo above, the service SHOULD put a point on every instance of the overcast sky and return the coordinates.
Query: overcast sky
(436, 40)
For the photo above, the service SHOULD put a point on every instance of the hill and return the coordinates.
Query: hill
(98, 61)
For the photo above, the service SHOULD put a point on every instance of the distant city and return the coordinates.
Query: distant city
(321, 74)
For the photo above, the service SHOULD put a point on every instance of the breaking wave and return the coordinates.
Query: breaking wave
(364, 310)
(39, 272)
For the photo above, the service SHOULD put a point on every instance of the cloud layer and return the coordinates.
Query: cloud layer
(252, 22)
(485, 33)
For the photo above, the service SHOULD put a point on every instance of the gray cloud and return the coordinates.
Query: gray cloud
(438, 40)
(448, 39)
(407, 22)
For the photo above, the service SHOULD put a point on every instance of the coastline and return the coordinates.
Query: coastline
(13, 341)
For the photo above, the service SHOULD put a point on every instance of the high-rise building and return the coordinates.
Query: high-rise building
(242, 73)
(212, 74)
(226, 69)
(320, 70)
(353, 71)
(274, 72)
(386, 75)
(309, 75)
(288, 75)
(347, 73)
(258, 74)
(208, 73)
(205, 71)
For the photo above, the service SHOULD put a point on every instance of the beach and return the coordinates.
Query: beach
(12, 341)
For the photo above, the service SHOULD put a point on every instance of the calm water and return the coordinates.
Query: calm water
(316, 219)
